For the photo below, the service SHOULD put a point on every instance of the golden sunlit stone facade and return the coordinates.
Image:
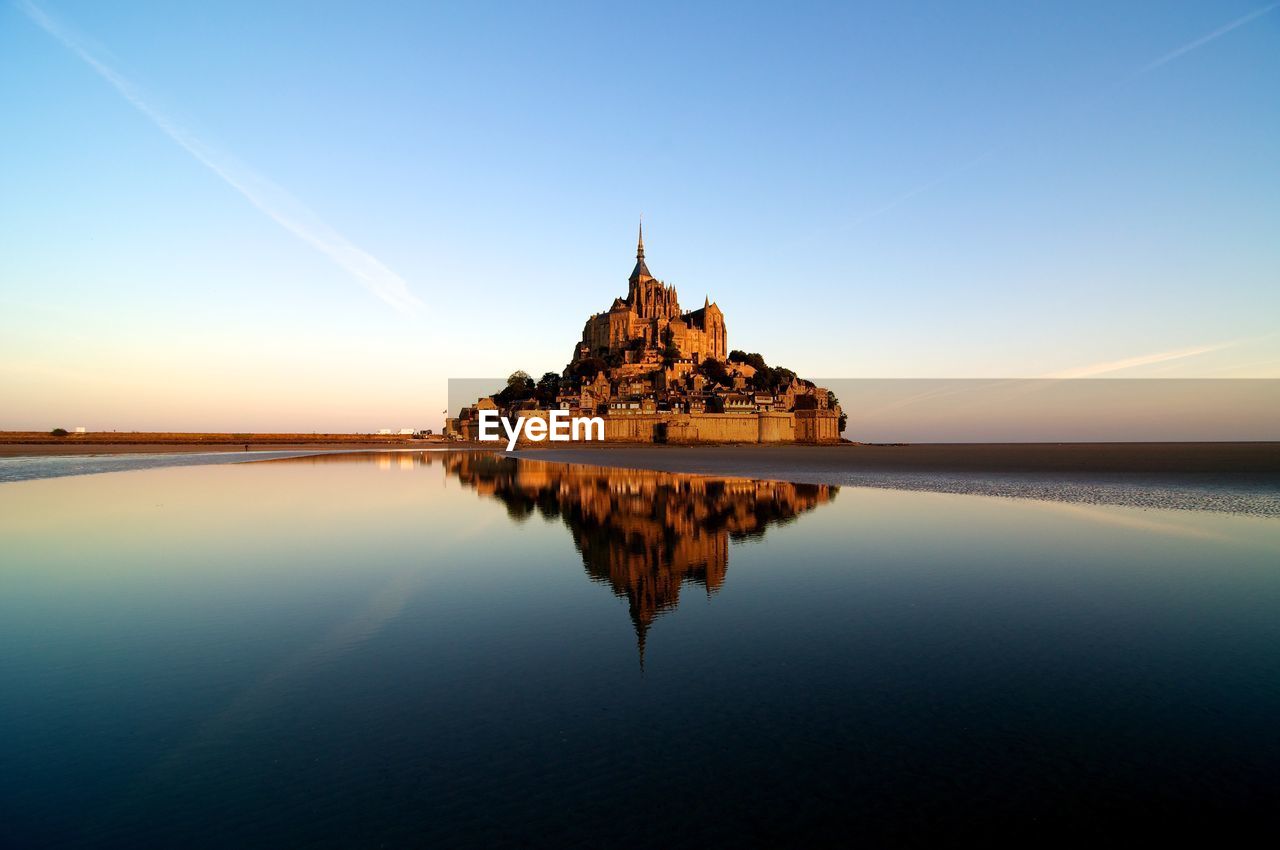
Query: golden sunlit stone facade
(650, 316)
(656, 374)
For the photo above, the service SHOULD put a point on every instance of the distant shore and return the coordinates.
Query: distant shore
(43, 444)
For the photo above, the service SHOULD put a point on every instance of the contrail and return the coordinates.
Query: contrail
(1133, 362)
(1205, 39)
(274, 201)
(960, 169)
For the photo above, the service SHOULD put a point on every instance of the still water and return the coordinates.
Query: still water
(460, 649)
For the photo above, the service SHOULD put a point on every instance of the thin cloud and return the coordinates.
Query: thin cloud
(961, 169)
(1205, 39)
(1134, 362)
(274, 201)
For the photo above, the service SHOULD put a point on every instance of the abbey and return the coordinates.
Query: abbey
(650, 315)
(656, 374)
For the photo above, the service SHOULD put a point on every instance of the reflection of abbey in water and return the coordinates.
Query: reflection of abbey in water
(644, 533)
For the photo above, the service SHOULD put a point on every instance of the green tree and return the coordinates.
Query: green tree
(833, 403)
(548, 387)
(715, 371)
(587, 369)
(519, 387)
(60, 432)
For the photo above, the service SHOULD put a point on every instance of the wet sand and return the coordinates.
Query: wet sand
(1251, 461)
(69, 447)
(1258, 462)
(1241, 478)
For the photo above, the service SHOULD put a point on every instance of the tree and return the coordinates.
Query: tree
(833, 403)
(590, 367)
(548, 386)
(519, 387)
(715, 371)
(60, 432)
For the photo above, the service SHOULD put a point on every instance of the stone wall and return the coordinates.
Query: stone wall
(817, 426)
(805, 426)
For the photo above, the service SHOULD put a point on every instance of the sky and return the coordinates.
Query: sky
(310, 216)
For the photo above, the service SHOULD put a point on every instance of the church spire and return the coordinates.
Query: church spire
(641, 271)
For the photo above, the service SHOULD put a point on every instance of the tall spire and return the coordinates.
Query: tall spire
(641, 271)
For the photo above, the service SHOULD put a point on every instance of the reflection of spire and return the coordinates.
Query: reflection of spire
(644, 534)
(642, 631)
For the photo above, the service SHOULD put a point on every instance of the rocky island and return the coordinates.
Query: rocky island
(657, 374)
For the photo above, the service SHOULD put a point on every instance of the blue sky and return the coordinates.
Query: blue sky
(323, 211)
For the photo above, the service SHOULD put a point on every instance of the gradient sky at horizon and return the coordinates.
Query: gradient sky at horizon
(308, 216)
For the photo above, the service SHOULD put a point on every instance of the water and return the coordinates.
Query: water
(58, 466)
(458, 649)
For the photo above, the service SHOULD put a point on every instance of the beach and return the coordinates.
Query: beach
(1238, 478)
(1241, 478)
(43, 444)
(1243, 461)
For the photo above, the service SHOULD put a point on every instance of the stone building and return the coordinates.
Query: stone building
(650, 316)
(658, 374)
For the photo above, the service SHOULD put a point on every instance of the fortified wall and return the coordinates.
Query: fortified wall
(801, 426)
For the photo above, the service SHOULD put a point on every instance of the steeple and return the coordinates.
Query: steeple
(641, 271)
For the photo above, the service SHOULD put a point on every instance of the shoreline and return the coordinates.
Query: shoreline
(1233, 478)
(78, 449)
(1257, 462)
(1237, 478)
(1253, 461)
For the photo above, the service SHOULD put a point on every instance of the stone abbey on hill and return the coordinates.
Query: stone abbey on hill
(649, 319)
(655, 373)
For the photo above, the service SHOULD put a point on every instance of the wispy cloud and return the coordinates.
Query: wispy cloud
(952, 173)
(1205, 39)
(271, 199)
(1134, 362)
